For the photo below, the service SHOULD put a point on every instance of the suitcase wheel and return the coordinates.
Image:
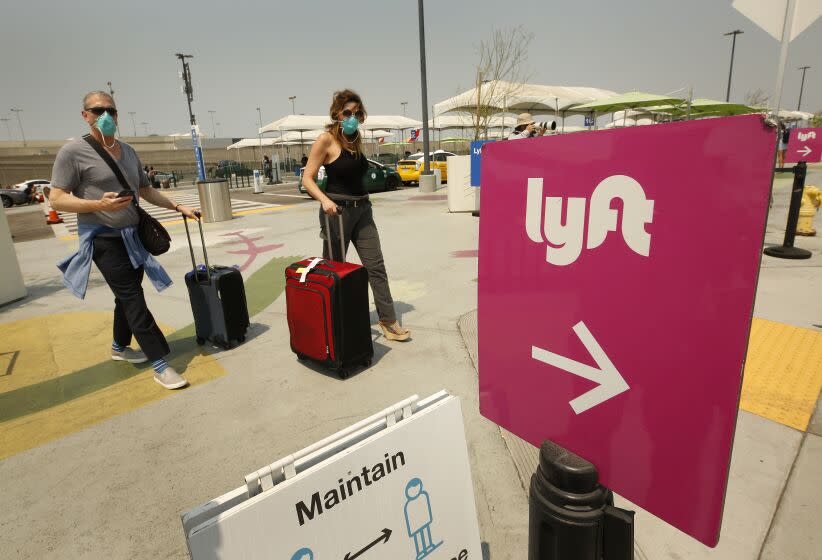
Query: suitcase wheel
(200, 341)
(301, 357)
(343, 373)
(367, 362)
(241, 339)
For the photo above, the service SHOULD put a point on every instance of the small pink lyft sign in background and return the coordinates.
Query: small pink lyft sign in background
(617, 274)
(804, 144)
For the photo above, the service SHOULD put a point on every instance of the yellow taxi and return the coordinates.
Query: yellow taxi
(409, 167)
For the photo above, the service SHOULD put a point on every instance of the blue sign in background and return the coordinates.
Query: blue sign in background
(589, 120)
(198, 153)
(476, 159)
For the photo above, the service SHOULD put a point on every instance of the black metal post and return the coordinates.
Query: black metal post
(801, 87)
(787, 250)
(426, 158)
(731, 71)
(572, 516)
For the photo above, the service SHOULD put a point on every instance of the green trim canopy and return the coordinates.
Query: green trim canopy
(704, 108)
(630, 100)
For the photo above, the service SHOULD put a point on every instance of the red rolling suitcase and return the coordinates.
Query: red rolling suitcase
(327, 309)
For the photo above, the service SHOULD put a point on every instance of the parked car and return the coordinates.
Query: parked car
(165, 178)
(409, 168)
(15, 196)
(41, 186)
(378, 178)
(226, 167)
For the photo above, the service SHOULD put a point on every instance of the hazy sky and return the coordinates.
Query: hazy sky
(250, 54)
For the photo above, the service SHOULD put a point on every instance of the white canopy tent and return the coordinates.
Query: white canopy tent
(497, 96)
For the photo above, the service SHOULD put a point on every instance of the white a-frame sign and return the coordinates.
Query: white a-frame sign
(395, 485)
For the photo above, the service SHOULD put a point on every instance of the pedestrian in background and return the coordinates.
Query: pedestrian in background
(339, 149)
(267, 169)
(784, 136)
(107, 227)
(525, 128)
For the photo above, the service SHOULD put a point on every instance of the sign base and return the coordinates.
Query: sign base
(782, 252)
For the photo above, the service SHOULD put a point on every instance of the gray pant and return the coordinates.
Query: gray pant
(360, 229)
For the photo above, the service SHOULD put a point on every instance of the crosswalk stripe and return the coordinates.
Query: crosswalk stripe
(165, 215)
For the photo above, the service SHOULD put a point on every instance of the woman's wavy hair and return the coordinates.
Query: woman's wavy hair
(338, 101)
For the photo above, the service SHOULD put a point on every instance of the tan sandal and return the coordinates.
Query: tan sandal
(395, 331)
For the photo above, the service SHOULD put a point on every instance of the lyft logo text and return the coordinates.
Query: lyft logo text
(806, 136)
(565, 240)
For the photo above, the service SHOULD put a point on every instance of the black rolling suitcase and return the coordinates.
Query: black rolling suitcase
(217, 295)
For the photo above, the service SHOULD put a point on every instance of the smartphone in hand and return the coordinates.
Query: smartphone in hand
(124, 193)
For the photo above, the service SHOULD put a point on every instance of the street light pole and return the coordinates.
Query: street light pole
(731, 71)
(133, 125)
(8, 128)
(426, 157)
(145, 127)
(292, 98)
(403, 103)
(188, 89)
(801, 87)
(260, 134)
(20, 124)
(111, 93)
(213, 129)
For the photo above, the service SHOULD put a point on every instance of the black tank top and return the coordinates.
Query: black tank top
(345, 174)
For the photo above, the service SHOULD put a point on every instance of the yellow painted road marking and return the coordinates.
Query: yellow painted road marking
(48, 351)
(783, 373)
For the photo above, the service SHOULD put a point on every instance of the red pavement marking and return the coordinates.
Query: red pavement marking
(426, 197)
(465, 254)
(252, 250)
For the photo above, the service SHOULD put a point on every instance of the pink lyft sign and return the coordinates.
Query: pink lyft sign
(617, 274)
(804, 144)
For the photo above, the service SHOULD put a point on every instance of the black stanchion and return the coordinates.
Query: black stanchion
(572, 516)
(787, 250)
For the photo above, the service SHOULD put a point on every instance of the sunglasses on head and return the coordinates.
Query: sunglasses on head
(358, 113)
(100, 110)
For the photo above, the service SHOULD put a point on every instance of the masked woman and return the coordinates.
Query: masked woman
(340, 151)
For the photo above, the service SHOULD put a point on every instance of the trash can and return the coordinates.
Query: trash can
(215, 201)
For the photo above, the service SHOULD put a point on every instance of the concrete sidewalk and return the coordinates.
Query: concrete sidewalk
(104, 466)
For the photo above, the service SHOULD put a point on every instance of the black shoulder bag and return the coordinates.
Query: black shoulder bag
(152, 234)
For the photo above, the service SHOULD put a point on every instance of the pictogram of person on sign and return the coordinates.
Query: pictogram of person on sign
(418, 518)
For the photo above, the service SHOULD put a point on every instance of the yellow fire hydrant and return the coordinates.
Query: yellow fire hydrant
(811, 199)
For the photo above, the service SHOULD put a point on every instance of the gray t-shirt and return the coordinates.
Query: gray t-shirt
(79, 170)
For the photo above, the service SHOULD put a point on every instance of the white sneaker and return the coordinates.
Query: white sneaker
(170, 379)
(129, 355)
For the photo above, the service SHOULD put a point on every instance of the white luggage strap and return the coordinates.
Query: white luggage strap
(314, 262)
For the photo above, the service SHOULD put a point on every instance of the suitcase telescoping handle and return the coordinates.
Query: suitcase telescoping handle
(328, 236)
(191, 247)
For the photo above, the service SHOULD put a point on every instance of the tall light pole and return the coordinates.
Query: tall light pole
(292, 98)
(731, 71)
(133, 125)
(260, 134)
(8, 128)
(403, 103)
(426, 157)
(801, 87)
(145, 127)
(20, 123)
(213, 129)
(111, 93)
(188, 89)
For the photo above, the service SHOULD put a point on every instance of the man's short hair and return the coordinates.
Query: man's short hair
(91, 94)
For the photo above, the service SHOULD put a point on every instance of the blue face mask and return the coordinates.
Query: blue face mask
(105, 124)
(350, 125)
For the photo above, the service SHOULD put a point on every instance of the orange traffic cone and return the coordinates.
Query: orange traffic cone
(53, 217)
